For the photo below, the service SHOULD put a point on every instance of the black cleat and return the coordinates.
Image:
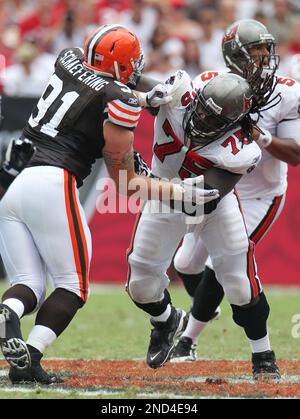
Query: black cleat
(13, 347)
(162, 339)
(185, 350)
(35, 373)
(264, 367)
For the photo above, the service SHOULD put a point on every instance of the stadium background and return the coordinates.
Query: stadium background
(174, 34)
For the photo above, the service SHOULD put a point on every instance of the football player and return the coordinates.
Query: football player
(262, 193)
(194, 134)
(87, 111)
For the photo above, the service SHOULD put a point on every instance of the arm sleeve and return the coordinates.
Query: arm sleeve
(122, 107)
(289, 128)
(123, 114)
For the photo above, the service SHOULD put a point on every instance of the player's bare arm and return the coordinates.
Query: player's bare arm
(285, 149)
(222, 180)
(119, 155)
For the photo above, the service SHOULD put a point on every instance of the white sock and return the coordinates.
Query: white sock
(164, 316)
(16, 305)
(260, 345)
(194, 329)
(41, 337)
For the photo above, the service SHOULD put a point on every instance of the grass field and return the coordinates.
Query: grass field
(110, 327)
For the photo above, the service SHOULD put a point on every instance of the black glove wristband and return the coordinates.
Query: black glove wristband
(5, 179)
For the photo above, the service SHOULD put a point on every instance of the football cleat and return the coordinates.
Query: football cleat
(264, 367)
(13, 347)
(162, 339)
(35, 373)
(185, 350)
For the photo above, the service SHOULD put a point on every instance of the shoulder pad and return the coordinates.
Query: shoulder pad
(289, 90)
(116, 89)
(204, 78)
(180, 84)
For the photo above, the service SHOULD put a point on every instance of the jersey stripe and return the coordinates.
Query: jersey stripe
(114, 112)
(77, 235)
(133, 111)
(122, 121)
(127, 107)
(207, 164)
(251, 266)
(267, 221)
(122, 116)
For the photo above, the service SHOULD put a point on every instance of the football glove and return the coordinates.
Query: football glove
(18, 155)
(140, 166)
(192, 190)
(156, 97)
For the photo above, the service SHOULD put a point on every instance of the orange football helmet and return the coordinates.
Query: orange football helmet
(114, 51)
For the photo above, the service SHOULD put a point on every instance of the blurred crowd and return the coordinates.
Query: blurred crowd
(174, 34)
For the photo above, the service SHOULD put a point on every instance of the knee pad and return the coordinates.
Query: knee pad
(233, 275)
(146, 283)
(253, 317)
(190, 258)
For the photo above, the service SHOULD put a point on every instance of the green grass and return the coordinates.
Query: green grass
(110, 326)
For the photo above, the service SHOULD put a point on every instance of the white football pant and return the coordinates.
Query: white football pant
(43, 228)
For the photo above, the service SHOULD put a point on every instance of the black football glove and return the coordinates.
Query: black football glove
(140, 166)
(18, 155)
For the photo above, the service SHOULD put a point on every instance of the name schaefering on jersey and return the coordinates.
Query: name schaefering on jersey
(74, 66)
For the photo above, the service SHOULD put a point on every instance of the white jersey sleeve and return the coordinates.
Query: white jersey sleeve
(289, 116)
(288, 109)
(180, 87)
(283, 121)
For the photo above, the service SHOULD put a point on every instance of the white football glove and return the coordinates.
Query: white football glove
(159, 95)
(192, 190)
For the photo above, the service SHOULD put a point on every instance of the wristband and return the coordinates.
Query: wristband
(265, 139)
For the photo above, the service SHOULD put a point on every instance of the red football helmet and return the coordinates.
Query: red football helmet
(114, 51)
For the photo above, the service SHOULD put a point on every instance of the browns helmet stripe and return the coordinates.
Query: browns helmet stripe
(96, 38)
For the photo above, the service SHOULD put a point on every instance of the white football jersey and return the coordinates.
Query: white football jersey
(173, 159)
(269, 179)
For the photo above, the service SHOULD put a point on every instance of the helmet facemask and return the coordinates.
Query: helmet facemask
(262, 80)
(138, 67)
(260, 72)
